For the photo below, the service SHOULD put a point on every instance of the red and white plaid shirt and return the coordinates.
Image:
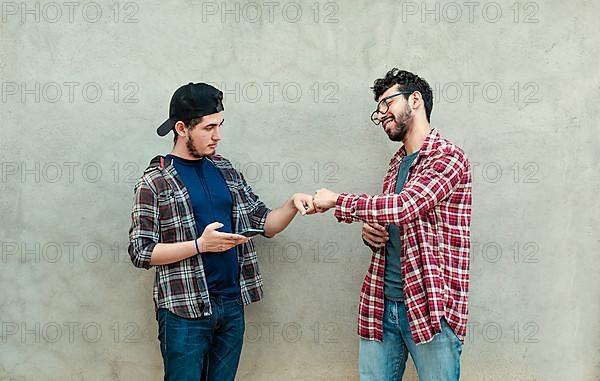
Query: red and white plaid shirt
(433, 212)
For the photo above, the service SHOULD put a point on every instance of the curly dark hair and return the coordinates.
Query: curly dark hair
(407, 81)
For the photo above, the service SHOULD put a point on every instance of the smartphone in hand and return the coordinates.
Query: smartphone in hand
(251, 232)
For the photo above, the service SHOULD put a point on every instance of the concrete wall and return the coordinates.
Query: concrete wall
(84, 86)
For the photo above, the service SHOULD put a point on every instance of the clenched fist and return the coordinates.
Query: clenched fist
(324, 199)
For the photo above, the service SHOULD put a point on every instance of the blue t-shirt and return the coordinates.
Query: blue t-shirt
(393, 283)
(211, 202)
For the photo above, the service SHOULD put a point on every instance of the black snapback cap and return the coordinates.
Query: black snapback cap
(190, 101)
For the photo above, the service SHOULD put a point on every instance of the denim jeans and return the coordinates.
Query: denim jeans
(206, 348)
(437, 360)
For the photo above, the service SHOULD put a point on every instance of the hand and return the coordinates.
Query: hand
(212, 241)
(375, 235)
(324, 199)
(304, 203)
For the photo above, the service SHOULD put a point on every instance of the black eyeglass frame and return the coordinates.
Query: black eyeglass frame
(374, 117)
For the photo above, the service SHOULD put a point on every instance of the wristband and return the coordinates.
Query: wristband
(197, 249)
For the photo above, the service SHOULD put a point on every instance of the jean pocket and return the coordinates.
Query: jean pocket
(448, 331)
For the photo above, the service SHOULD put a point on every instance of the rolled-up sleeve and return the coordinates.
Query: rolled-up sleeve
(258, 211)
(144, 232)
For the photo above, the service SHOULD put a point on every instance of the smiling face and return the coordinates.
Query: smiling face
(202, 139)
(396, 121)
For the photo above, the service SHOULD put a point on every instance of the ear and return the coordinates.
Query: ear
(417, 100)
(180, 128)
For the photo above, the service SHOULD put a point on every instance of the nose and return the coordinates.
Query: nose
(216, 134)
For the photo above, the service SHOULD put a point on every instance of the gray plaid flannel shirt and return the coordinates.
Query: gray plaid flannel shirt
(162, 213)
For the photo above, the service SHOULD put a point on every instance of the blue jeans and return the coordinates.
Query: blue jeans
(437, 360)
(207, 348)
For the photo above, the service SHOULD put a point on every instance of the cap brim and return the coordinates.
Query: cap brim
(166, 127)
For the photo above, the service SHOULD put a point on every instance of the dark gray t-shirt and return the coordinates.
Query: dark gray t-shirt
(393, 284)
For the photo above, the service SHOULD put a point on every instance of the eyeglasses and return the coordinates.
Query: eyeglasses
(383, 106)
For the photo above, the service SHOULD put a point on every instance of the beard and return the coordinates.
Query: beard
(192, 149)
(399, 131)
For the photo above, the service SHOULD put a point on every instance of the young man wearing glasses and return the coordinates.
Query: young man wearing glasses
(188, 207)
(414, 297)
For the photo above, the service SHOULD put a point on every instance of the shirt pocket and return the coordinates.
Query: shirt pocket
(167, 212)
(166, 201)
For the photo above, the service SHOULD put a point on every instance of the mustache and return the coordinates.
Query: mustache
(385, 120)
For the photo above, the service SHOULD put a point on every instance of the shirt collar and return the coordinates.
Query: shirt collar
(428, 146)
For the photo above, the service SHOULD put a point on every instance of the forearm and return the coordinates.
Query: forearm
(381, 209)
(167, 253)
(278, 219)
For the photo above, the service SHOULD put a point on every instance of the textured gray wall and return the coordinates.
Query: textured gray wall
(84, 84)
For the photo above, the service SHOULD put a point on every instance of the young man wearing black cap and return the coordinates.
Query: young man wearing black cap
(188, 205)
